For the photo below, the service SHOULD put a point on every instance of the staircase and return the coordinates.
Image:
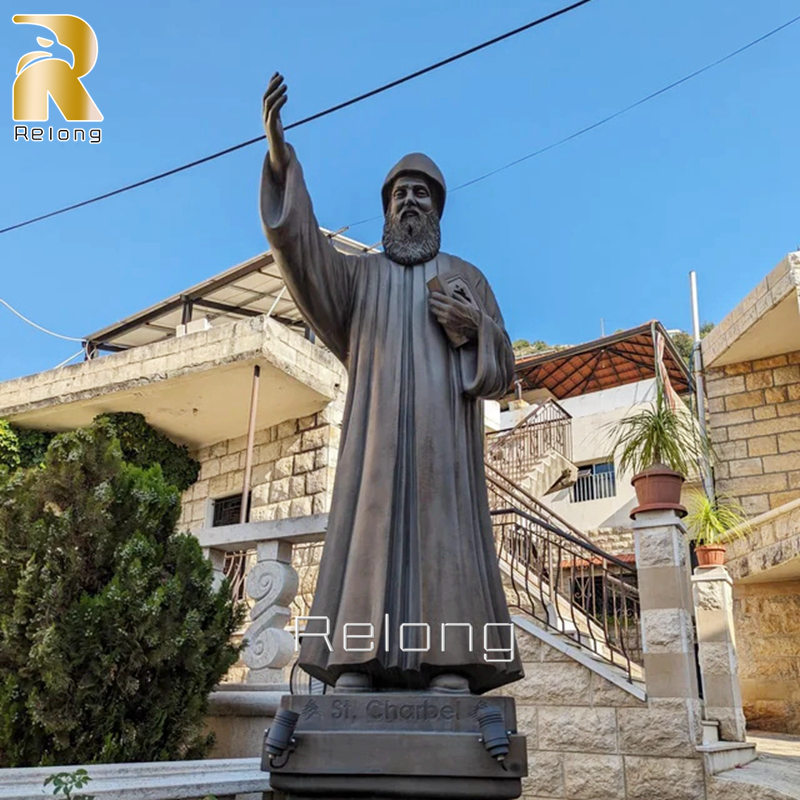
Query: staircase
(558, 578)
(537, 452)
(553, 573)
(551, 473)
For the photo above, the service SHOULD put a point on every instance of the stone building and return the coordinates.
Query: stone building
(752, 361)
(611, 700)
(592, 386)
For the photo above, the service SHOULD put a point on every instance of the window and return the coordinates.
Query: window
(228, 510)
(594, 482)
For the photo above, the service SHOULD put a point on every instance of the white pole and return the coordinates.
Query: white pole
(251, 436)
(698, 382)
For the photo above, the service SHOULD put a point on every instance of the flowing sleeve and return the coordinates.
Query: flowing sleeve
(489, 370)
(319, 277)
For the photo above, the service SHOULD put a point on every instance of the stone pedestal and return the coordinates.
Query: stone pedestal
(665, 592)
(395, 745)
(719, 670)
(662, 560)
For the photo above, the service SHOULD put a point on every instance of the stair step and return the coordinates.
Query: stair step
(710, 731)
(722, 756)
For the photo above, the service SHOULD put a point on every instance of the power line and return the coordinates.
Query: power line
(303, 121)
(630, 107)
(71, 358)
(37, 326)
(610, 117)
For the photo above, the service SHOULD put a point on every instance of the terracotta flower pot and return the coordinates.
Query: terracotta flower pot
(710, 555)
(658, 489)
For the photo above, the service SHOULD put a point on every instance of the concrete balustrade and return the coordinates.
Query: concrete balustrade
(719, 670)
(225, 779)
(662, 558)
(271, 585)
(240, 712)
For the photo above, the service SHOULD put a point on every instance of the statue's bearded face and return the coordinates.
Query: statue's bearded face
(411, 233)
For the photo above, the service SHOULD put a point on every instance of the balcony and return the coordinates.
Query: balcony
(195, 388)
(594, 483)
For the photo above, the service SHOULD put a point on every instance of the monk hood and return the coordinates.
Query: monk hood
(416, 163)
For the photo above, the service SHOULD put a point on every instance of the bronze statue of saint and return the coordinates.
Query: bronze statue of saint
(409, 587)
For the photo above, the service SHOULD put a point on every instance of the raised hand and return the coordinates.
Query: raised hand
(455, 315)
(274, 100)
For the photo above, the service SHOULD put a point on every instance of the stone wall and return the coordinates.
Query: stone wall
(294, 464)
(293, 468)
(589, 739)
(767, 620)
(772, 541)
(617, 541)
(754, 418)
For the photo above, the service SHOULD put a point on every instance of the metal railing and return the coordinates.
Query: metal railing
(570, 586)
(547, 428)
(561, 579)
(504, 492)
(237, 563)
(593, 486)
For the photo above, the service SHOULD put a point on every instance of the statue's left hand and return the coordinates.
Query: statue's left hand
(455, 315)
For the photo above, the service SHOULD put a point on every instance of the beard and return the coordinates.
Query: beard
(413, 240)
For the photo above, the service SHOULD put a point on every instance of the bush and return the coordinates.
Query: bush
(143, 445)
(111, 636)
(9, 448)
(33, 445)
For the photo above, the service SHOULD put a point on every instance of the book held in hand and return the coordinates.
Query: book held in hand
(453, 285)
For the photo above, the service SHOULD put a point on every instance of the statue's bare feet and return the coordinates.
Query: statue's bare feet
(352, 683)
(449, 683)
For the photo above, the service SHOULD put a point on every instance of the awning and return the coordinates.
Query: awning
(625, 357)
(246, 290)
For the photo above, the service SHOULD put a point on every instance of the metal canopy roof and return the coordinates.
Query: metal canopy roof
(625, 357)
(246, 290)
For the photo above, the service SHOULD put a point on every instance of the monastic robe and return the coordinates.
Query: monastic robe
(409, 536)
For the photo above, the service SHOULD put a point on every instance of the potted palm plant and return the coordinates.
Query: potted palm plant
(712, 523)
(660, 445)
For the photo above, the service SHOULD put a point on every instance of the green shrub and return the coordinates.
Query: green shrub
(111, 635)
(65, 783)
(21, 447)
(9, 448)
(33, 445)
(143, 445)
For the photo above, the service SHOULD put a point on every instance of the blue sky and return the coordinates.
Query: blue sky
(607, 226)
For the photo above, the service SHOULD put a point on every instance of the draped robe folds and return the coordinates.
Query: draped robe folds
(409, 536)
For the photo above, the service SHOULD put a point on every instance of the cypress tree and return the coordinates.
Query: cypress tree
(111, 635)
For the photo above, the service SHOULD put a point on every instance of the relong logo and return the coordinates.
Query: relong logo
(41, 74)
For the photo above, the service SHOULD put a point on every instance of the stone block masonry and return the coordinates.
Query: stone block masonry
(294, 464)
(589, 739)
(754, 420)
(768, 639)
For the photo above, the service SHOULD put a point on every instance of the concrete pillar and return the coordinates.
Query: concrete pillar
(719, 666)
(272, 585)
(217, 559)
(662, 561)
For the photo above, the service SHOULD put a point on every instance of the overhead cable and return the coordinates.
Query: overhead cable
(352, 101)
(606, 119)
(37, 326)
(630, 107)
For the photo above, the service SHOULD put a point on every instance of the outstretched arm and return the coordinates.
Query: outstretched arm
(321, 279)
